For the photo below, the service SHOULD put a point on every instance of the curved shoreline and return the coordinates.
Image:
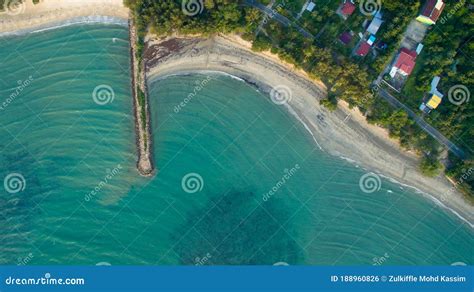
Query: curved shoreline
(94, 19)
(50, 14)
(339, 133)
(431, 197)
(305, 106)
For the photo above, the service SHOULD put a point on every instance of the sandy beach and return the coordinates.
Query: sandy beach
(28, 16)
(344, 133)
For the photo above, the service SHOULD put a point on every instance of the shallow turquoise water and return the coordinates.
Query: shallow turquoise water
(231, 138)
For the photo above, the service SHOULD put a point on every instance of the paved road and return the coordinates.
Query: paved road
(423, 124)
(278, 17)
(262, 23)
(387, 96)
(413, 35)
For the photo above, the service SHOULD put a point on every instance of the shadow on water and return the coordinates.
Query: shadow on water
(237, 229)
(20, 194)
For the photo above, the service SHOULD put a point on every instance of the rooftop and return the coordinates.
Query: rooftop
(434, 101)
(363, 49)
(348, 8)
(433, 9)
(346, 37)
(375, 25)
(405, 61)
(371, 40)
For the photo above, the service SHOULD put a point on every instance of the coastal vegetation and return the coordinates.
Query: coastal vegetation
(140, 29)
(447, 53)
(137, 35)
(430, 166)
(142, 105)
(210, 204)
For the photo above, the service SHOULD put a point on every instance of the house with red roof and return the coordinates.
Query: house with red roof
(404, 63)
(363, 49)
(346, 9)
(431, 11)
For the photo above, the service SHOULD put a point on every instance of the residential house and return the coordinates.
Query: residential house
(365, 46)
(404, 63)
(346, 9)
(431, 104)
(374, 26)
(363, 49)
(310, 6)
(431, 11)
(434, 97)
(346, 37)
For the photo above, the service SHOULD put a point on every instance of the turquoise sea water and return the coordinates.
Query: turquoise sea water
(240, 181)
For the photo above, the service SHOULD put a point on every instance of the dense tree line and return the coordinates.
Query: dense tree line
(346, 78)
(449, 50)
(167, 16)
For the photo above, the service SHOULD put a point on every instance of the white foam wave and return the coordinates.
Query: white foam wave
(418, 191)
(306, 126)
(356, 163)
(432, 198)
(348, 160)
(93, 19)
(225, 74)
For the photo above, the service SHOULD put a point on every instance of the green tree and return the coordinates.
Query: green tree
(430, 166)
